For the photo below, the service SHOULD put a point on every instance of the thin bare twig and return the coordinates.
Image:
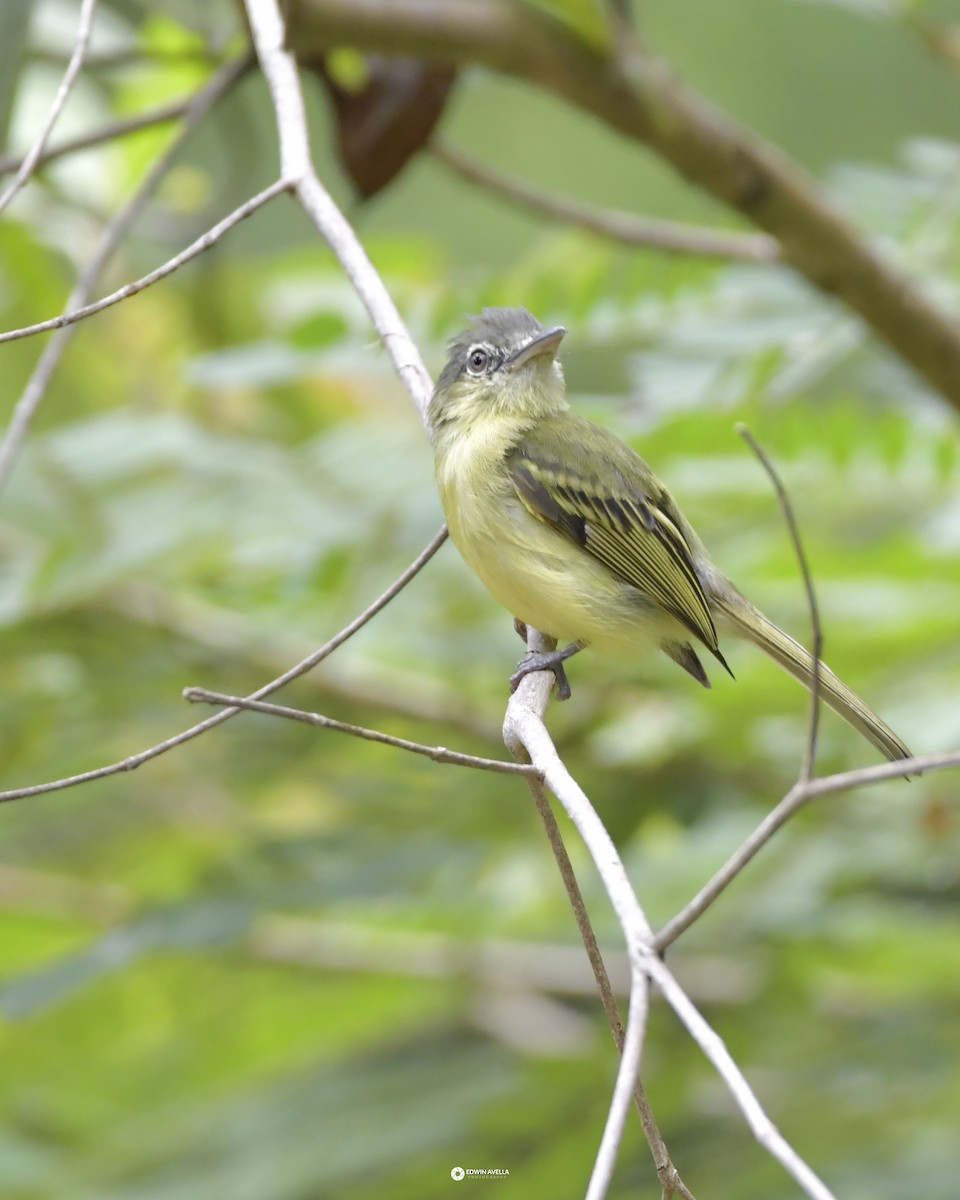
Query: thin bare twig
(799, 795)
(846, 781)
(439, 754)
(527, 738)
(307, 664)
(624, 1087)
(202, 243)
(84, 28)
(672, 237)
(135, 56)
(716, 1052)
(794, 800)
(161, 115)
(810, 754)
(111, 239)
(671, 1183)
(807, 788)
(279, 68)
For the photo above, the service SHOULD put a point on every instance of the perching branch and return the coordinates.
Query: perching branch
(639, 96)
(524, 727)
(296, 167)
(527, 738)
(672, 237)
(524, 731)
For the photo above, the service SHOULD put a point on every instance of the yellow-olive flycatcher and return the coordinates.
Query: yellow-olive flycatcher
(572, 531)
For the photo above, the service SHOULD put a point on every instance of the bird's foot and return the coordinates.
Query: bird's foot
(547, 660)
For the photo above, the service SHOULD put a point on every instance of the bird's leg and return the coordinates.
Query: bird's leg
(521, 628)
(547, 660)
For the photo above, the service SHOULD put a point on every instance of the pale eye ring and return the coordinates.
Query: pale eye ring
(477, 360)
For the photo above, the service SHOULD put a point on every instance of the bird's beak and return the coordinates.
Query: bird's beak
(544, 343)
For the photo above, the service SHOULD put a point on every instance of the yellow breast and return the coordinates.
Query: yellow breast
(536, 573)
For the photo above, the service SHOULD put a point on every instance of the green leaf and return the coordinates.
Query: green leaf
(196, 925)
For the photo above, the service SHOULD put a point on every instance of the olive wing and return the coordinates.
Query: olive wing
(625, 520)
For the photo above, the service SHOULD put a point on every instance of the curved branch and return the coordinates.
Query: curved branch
(438, 754)
(33, 156)
(799, 795)
(667, 1173)
(162, 115)
(208, 238)
(110, 240)
(527, 739)
(816, 629)
(639, 96)
(301, 668)
(297, 170)
(673, 237)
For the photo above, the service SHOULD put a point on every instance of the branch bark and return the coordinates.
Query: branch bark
(526, 736)
(639, 96)
(297, 170)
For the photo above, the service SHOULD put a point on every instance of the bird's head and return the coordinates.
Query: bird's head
(503, 367)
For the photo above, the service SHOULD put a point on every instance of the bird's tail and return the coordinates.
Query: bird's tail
(748, 622)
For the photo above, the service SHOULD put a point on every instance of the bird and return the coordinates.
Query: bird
(573, 533)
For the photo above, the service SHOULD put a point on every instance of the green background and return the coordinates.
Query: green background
(279, 964)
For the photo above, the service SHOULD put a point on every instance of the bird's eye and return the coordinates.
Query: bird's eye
(477, 360)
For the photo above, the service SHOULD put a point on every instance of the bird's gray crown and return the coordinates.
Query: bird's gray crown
(500, 330)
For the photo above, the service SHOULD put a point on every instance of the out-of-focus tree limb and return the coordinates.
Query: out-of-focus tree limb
(639, 96)
(672, 237)
(26, 169)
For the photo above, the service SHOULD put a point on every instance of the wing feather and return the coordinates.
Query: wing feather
(631, 531)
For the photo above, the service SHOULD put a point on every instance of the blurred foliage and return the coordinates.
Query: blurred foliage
(225, 471)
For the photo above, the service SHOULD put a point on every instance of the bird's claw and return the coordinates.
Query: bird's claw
(549, 660)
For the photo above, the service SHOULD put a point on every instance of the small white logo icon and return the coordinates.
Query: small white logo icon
(457, 1173)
